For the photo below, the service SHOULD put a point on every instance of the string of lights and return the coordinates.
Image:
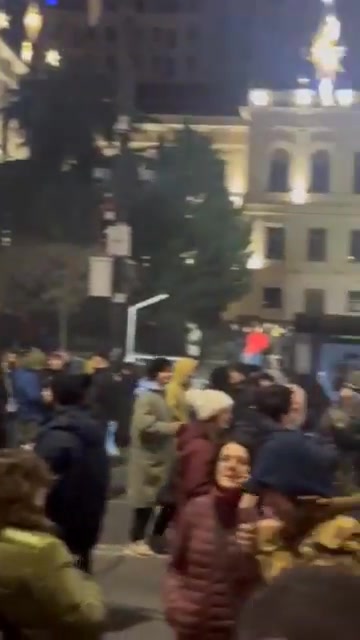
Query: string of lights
(326, 53)
(33, 21)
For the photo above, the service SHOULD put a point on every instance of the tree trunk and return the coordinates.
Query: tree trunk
(63, 320)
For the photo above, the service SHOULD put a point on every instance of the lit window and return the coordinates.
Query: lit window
(320, 172)
(279, 171)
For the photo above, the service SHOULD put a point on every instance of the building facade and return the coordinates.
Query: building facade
(297, 169)
(11, 69)
(168, 56)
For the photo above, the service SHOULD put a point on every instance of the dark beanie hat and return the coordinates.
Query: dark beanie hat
(295, 464)
(70, 390)
(156, 366)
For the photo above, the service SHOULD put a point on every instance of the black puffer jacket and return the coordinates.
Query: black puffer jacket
(73, 446)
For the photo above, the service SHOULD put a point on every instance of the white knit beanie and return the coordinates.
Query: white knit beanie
(208, 403)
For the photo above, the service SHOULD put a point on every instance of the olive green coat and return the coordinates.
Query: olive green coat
(151, 448)
(41, 593)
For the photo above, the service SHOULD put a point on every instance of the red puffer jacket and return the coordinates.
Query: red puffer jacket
(208, 579)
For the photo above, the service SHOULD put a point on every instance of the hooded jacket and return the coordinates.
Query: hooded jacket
(175, 391)
(152, 444)
(73, 446)
(27, 387)
(42, 595)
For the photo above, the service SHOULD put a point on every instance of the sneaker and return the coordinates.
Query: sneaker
(138, 549)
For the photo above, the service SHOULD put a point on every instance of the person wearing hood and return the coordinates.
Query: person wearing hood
(73, 446)
(151, 450)
(27, 385)
(183, 370)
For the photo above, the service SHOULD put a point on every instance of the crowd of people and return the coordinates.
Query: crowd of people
(248, 487)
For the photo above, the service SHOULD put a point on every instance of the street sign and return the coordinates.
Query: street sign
(100, 277)
(118, 240)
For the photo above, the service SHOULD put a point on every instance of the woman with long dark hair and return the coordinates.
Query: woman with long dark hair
(209, 578)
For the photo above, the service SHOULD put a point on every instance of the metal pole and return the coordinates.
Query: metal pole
(130, 331)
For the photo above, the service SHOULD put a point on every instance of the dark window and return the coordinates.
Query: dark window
(193, 33)
(314, 302)
(353, 301)
(316, 247)
(357, 172)
(171, 38)
(111, 63)
(110, 34)
(191, 64)
(157, 34)
(272, 297)
(111, 5)
(168, 67)
(275, 243)
(279, 171)
(320, 172)
(355, 245)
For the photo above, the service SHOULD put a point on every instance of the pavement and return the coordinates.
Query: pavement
(132, 586)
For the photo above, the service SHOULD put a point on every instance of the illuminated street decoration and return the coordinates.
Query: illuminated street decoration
(53, 58)
(4, 20)
(326, 54)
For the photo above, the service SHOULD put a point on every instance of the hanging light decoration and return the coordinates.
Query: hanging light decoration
(4, 20)
(326, 54)
(33, 21)
(53, 58)
(27, 51)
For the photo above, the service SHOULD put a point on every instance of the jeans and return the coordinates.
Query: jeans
(110, 442)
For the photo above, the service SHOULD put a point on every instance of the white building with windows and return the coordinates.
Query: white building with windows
(294, 158)
(298, 171)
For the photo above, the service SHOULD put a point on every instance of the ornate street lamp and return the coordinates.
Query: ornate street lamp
(33, 21)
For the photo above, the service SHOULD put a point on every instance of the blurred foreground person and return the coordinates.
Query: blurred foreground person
(209, 577)
(309, 603)
(342, 423)
(72, 444)
(42, 595)
(151, 452)
(27, 381)
(197, 443)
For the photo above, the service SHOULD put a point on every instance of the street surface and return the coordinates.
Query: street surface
(132, 585)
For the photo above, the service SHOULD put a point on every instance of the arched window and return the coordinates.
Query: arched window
(279, 171)
(320, 172)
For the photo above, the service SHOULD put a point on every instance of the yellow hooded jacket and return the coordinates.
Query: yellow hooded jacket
(335, 541)
(175, 391)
